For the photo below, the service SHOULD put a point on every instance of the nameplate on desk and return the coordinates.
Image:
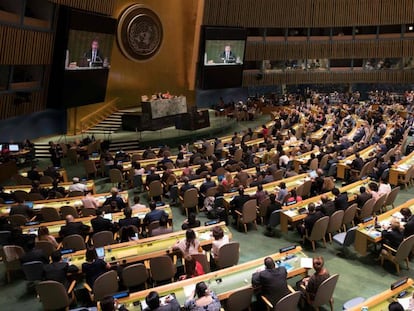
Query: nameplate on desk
(367, 219)
(122, 294)
(212, 222)
(32, 223)
(67, 251)
(287, 248)
(399, 283)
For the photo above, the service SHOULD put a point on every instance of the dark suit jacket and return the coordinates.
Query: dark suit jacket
(152, 177)
(232, 56)
(133, 221)
(115, 200)
(21, 209)
(56, 271)
(311, 219)
(99, 56)
(238, 201)
(341, 202)
(409, 228)
(273, 283)
(101, 224)
(207, 185)
(34, 255)
(392, 238)
(173, 305)
(362, 198)
(73, 228)
(328, 208)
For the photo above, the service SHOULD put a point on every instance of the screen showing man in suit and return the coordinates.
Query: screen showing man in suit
(88, 49)
(94, 54)
(224, 52)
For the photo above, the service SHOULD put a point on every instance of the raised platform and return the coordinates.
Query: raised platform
(219, 126)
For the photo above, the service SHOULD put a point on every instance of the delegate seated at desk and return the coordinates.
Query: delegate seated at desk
(272, 280)
(153, 303)
(73, 227)
(155, 214)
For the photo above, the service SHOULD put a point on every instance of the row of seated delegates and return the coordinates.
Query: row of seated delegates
(51, 171)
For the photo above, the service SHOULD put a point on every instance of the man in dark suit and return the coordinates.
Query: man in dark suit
(272, 281)
(115, 201)
(33, 174)
(153, 302)
(341, 199)
(393, 236)
(99, 223)
(238, 201)
(227, 56)
(129, 220)
(155, 214)
(409, 227)
(310, 220)
(21, 209)
(357, 163)
(362, 197)
(327, 207)
(207, 184)
(58, 270)
(73, 227)
(186, 186)
(94, 55)
(33, 254)
(152, 176)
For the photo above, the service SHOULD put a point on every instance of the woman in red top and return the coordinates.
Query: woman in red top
(192, 268)
(265, 131)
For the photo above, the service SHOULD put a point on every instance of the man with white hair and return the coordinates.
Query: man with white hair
(77, 185)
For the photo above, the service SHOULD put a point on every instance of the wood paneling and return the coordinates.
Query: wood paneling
(398, 76)
(98, 6)
(256, 51)
(9, 109)
(301, 13)
(25, 47)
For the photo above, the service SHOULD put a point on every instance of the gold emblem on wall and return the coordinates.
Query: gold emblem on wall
(139, 33)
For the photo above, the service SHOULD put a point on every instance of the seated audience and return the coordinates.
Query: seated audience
(109, 303)
(58, 269)
(93, 267)
(73, 227)
(99, 223)
(43, 235)
(206, 300)
(33, 254)
(163, 228)
(154, 214)
(89, 201)
(137, 205)
(328, 206)
(362, 197)
(116, 202)
(189, 245)
(272, 281)
(129, 220)
(21, 209)
(219, 240)
(341, 199)
(310, 220)
(309, 285)
(153, 302)
(192, 268)
(77, 186)
(393, 235)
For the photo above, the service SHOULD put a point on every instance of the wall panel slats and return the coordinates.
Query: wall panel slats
(300, 13)
(98, 6)
(21, 46)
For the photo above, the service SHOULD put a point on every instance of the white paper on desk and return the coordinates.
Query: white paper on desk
(406, 303)
(205, 236)
(188, 291)
(306, 263)
(290, 213)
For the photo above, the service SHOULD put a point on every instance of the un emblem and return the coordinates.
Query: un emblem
(139, 33)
